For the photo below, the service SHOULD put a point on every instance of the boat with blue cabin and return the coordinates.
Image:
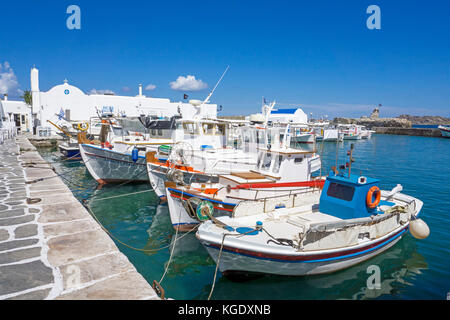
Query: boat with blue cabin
(352, 221)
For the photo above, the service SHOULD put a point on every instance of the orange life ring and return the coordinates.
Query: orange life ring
(373, 204)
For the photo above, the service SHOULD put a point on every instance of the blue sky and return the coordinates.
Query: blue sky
(316, 54)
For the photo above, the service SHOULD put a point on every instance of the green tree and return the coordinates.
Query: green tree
(27, 97)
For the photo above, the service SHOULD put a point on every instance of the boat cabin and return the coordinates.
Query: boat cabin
(201, 134)
(345, 197)
(274, 165)
(284, 164)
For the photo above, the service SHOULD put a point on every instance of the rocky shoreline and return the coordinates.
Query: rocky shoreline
(426, 120)
(403, 121)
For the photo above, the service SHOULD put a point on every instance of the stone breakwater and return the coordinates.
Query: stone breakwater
(426, 132)
(50, 246)
(375, 122)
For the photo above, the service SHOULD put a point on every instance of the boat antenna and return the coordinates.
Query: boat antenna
(212, 91)
(269, 111)
(350, 159)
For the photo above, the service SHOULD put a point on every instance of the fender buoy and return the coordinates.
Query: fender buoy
(372, 204)
(81, 128)
(204, 210)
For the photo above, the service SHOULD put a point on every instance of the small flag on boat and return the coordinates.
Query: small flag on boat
(61, 114)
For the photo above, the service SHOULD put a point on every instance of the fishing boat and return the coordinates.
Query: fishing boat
(445, 131)
(350, 132)
(325, 132)
(352, 221)
(120, 156)
(366, 133)
(207, 148)
(302, 134)
(69, 149)
(237, 156)
(281, 177)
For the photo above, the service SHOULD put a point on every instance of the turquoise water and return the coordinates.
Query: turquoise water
(412, 269)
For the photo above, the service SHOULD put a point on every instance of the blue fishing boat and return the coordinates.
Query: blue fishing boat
(353, 221)
(70, 149)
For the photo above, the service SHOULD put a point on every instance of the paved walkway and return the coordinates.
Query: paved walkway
(53, 248)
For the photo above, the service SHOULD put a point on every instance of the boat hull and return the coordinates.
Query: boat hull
(352, 137)
(108, 166)
(445, 131)
(69, 152)
(157, 175)
(240, 261)
(305, 138)
(180, 217)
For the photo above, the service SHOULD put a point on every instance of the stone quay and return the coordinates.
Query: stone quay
(50, 246)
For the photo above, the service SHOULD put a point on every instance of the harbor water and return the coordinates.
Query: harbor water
(411, 269)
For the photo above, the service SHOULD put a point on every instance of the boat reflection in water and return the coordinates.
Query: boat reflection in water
(187, 252)
(160, 230)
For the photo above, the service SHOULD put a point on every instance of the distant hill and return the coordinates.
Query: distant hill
(426, 120)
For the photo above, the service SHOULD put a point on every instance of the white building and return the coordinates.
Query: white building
(281, 116)
(77, 105)
(295, 115)
(18, 112)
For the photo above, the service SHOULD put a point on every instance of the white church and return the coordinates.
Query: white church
(75, 105)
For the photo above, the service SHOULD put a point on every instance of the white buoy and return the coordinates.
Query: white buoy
(419, 229)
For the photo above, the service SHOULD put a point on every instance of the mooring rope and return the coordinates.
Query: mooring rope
(220, 255)
(217, 267)
(87, 206)
(120, 195)
(173, 248)
(174, 243)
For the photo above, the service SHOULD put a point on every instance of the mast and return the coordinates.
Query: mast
(212, 91)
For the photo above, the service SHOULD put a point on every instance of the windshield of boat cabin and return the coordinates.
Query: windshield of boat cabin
(190, 128)
(118, 131)
(267, 160)
(277, 164)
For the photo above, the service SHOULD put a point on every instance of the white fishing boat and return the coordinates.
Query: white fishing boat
(323, 131)
(350, 132)
(352, 221)
(120, 156)
(366, 133)
(301, 134)
(70, 149)
(280, 174)
(205, 166)
(445, 131)
(200, 157)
